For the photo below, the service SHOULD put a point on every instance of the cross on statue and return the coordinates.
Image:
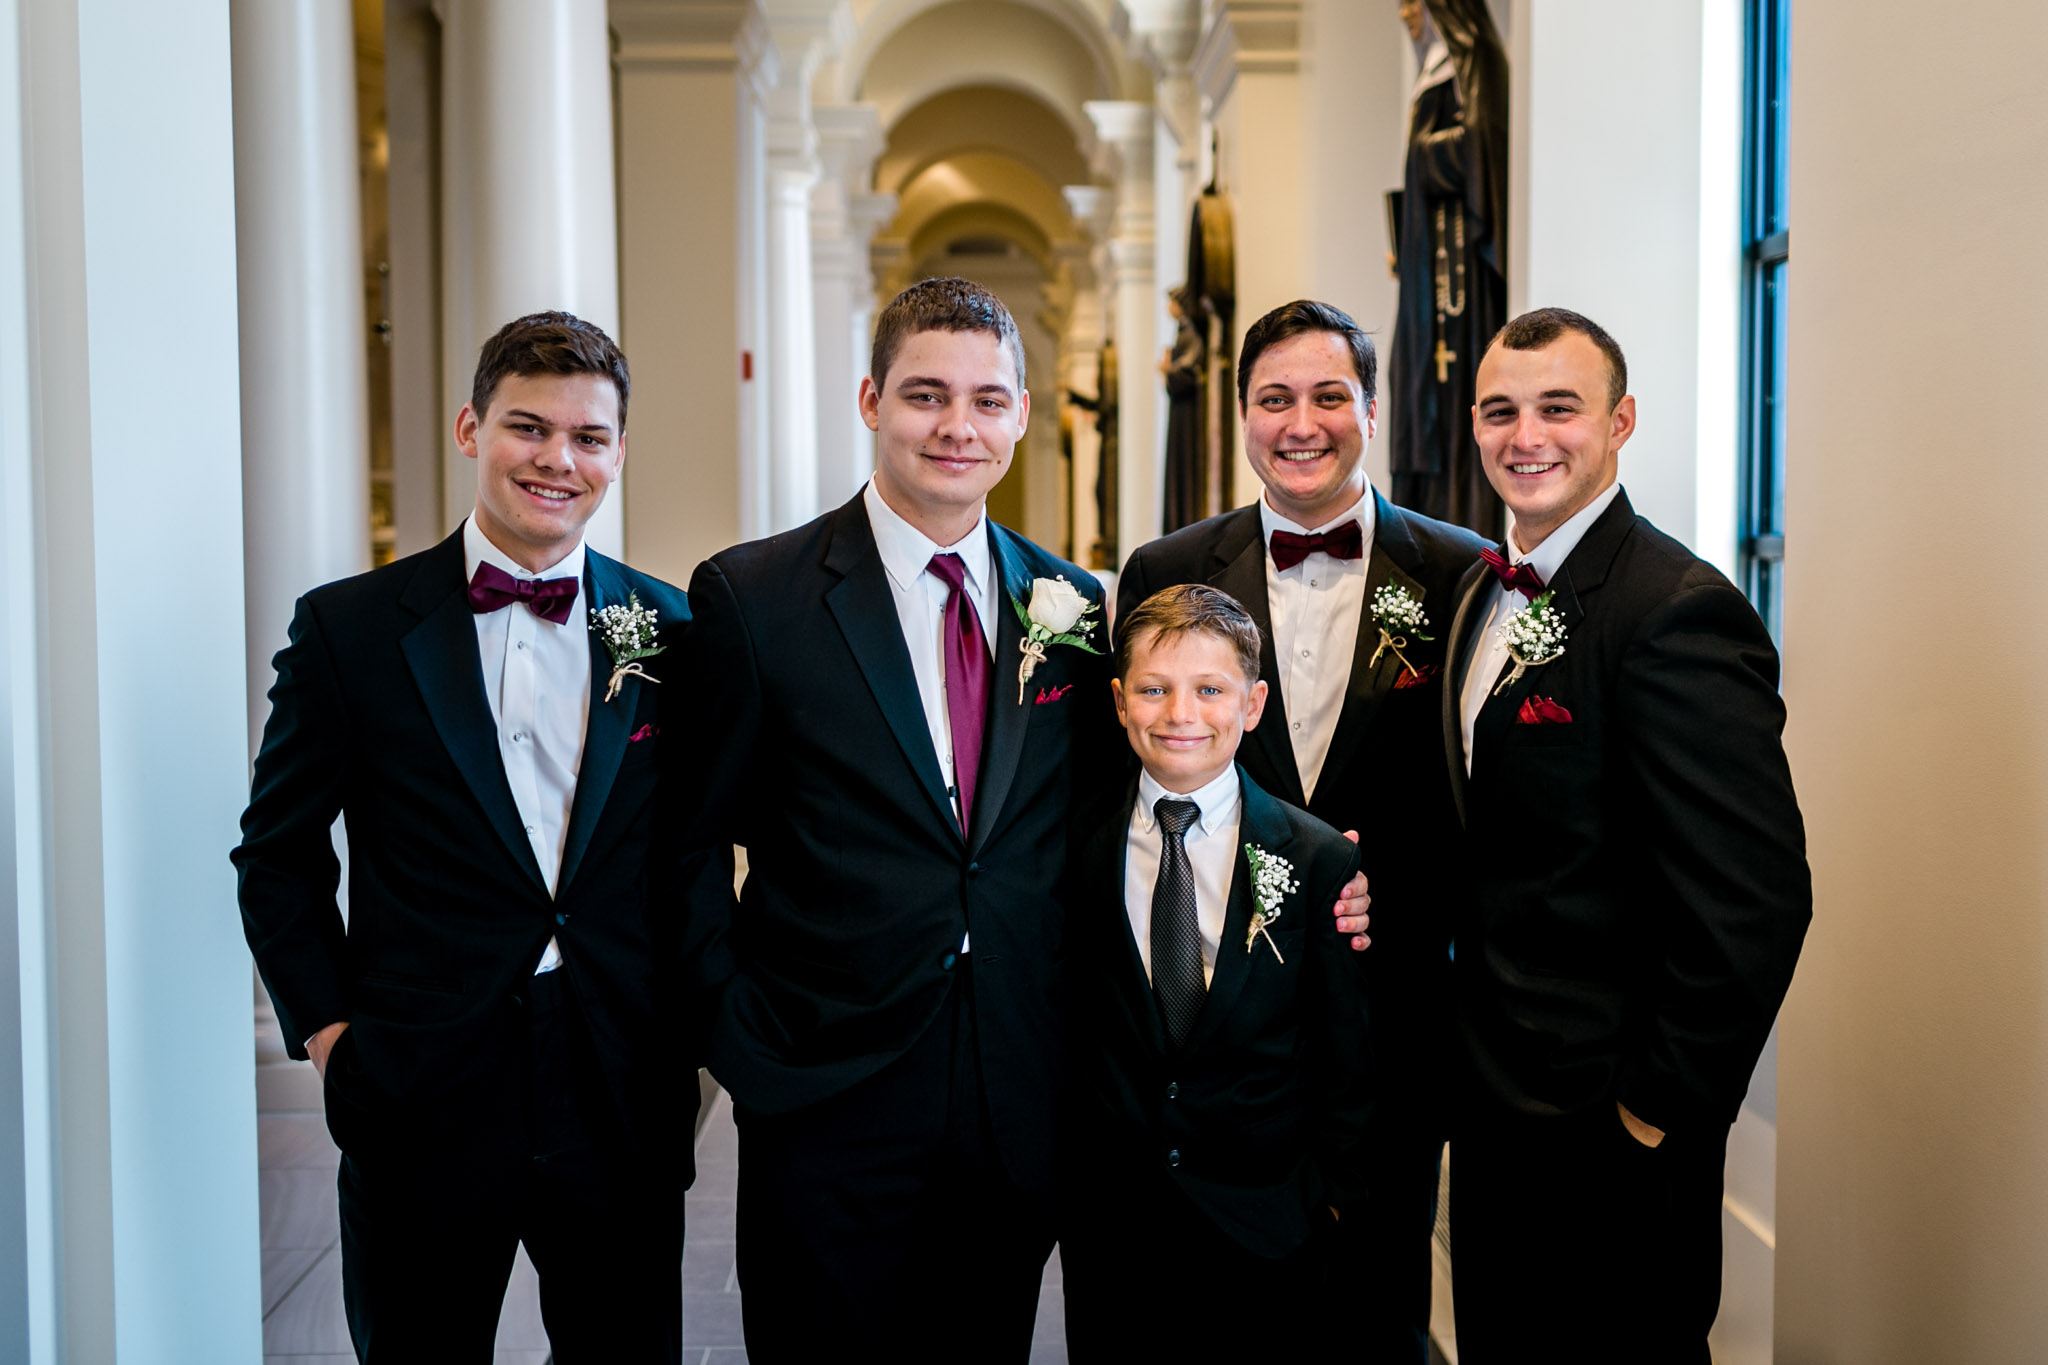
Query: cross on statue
(1443, 357)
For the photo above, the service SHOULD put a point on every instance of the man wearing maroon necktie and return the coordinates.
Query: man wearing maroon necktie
(1634, 877)
(1351, 734)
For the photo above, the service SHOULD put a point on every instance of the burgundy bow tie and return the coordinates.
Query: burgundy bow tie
(548, 598)
(1339, 542)
(1520, 577)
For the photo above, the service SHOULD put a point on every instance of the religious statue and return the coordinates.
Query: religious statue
(1450, 227)
(1182, 366)
(1103, 553)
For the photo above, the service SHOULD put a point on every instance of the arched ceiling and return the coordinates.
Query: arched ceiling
(980, 118)
(982, 179)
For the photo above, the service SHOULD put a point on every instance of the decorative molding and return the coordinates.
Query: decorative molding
(686, 35)
(1255, 37)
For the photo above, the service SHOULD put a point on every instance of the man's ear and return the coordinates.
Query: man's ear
(1023, 411)
(466, 423)
(1622, 423)
(870, 403)
(1255, 705)
(1116, 693)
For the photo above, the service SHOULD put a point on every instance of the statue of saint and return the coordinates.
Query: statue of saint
(1451, 259)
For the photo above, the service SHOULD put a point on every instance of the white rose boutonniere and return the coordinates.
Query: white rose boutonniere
(1534, 635)
(1057, 615)
(628, 633)
(1272, 882)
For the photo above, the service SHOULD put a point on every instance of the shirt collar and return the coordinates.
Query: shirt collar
(1218, 801)
(478, 549)
(1546, 559)
(907, 552)
(1362, 512)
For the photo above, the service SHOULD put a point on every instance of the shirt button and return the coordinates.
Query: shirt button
(522, 644)
(1297, 725)
(518, 736)
(1304, 654)
(1313, 584)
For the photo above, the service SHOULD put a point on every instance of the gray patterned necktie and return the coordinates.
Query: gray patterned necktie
(1176, 932)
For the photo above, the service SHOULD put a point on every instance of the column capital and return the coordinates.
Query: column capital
(1161, 33)
(1121, 122)
(687, 35)
(1258, 36)
(849, 140)
(869, 213)
(1092, 207)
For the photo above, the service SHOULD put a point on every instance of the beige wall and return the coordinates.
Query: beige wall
(1913, 1119)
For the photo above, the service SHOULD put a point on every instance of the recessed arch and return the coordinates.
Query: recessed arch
(1086, 22)
(1000, 43)
(974, 118)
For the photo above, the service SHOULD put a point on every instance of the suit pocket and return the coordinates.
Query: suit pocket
(1547, 736)
(406, 998)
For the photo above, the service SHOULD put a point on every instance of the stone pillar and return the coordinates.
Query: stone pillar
(1248, 70)
(299, 268)
(1087, 328)
(843, 216)
(804, 33)
(686, 92)
(528, 217)
(1125, 128)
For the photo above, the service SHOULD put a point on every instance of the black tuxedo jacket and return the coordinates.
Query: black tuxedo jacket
(379, 715)
(1266, 1103)
(860, 883)
(1638, 887)
(1384, 773)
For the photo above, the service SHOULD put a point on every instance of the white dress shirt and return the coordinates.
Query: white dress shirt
(537, 680)
(921, 608)
(1211, 842)
(1486, 656)
(1315, 607)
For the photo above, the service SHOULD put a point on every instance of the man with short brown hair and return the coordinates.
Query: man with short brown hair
(507, 1024)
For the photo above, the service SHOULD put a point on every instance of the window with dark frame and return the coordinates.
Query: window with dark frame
(1765, 251)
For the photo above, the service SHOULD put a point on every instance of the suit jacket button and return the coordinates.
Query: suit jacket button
(1173, 1157)
(974, 869)
(946, 963)
(1173, 1090)
(560, 918)
(518, 1002)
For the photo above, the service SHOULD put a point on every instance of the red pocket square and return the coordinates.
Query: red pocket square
(644, 732)
(1542, 711)
(1052, 694)
(1417, 678)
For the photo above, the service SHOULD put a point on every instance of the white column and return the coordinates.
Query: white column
(305, 405)
(804, 33)
(528, 216)
(842, 218)
(685, 69)
(1660, 266)
(1248, 68)
(1125, 128)
(1087, 327)
(133, 1162)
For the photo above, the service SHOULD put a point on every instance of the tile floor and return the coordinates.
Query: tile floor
(302, 1313)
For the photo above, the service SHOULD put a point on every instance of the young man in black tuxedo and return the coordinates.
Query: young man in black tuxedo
(504, 1024)
(1353, 735)
(1217, 1026)
(1636, 878)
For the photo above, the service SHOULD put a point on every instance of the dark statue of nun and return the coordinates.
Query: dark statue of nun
(1452, 260)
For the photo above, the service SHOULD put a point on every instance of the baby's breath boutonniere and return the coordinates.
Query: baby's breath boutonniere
(1394, 610)
(1057, 615)
(628, 633)
(1272, 880)
(1534, 635)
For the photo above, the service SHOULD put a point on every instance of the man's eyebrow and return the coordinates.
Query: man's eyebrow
(1003, 389)
(922, 381)
(522, 415)
(1572, 394)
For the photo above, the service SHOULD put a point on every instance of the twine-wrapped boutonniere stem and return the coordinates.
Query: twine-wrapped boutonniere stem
(1534, 636)
(1057, 615)
(1394, 610)
(1272, 881)
(629, 633)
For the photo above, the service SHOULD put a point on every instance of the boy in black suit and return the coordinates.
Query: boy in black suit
(1218, 1034)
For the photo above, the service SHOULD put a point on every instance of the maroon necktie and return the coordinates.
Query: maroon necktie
(967, 669)
(1339, 542)
(1520, 577)
(548, 598)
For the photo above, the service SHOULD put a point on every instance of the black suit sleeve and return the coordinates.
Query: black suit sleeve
(1335, 1053)
(1702, 720)
(1133, 586)
(288, 873)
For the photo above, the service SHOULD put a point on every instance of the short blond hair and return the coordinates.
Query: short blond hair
(1190, 609)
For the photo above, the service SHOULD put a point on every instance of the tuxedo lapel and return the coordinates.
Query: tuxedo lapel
(1260, 823)
(441, 651)
(1394, 556)
(1109, 852)
(865, 611)
(1008, 719)
(610, 722)
(1472, 589)
(1239, 568)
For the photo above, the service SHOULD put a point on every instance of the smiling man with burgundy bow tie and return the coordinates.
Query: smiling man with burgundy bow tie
(1636, 878)
(1351, 734)
(507, 1021)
